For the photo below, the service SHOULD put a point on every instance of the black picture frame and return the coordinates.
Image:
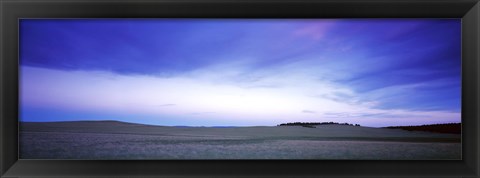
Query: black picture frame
(12, 10)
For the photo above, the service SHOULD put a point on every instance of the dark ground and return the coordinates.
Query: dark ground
(117, 140)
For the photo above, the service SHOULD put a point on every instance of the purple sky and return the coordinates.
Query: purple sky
(374, 72)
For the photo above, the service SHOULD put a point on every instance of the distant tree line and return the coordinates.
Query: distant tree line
(453, 128)
(313, 124)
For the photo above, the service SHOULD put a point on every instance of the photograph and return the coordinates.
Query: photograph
(240, 89)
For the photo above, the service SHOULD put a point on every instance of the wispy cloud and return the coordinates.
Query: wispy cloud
(315, 31)
(230, 102)
(201, 113)
(371, 72)
(166, 105)
(308, 112)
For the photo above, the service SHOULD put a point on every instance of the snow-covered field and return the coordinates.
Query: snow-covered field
(117, 140)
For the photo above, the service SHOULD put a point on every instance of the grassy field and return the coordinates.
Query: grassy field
(117, 140)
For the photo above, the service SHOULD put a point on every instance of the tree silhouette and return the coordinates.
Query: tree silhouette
(313, 124)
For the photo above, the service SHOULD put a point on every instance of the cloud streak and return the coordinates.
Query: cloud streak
(136, 94)
(308, 112)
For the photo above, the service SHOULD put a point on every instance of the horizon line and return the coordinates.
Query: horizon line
(278, 125)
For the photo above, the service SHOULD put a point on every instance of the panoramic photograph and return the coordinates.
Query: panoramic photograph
(209, 89)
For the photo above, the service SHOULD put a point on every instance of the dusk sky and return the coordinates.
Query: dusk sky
(232, 72)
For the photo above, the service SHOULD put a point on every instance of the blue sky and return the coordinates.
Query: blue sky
(375, 72)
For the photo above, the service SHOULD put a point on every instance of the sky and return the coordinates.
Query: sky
(241, 72)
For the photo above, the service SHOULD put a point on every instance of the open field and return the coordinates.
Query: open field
(117, 140)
